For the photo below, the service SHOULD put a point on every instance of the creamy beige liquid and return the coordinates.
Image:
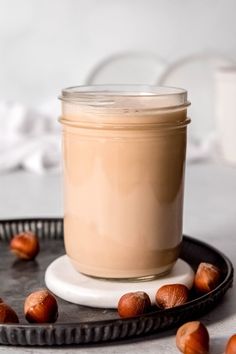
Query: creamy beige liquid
(123, 194)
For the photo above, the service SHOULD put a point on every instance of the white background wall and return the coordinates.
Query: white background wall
(48, 44)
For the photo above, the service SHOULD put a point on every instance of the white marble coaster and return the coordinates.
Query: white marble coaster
(64, 281)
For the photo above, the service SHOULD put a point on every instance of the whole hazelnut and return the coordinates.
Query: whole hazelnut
(25, 245)
(133, 304)
(231, 345)
(172, 295)
(206, 278)
(41, 307)
(193, 338)
(7, 314)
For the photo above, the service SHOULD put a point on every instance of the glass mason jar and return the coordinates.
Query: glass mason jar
(124, 159)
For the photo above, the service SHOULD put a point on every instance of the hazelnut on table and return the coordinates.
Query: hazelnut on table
(193, 338)
(231, 345)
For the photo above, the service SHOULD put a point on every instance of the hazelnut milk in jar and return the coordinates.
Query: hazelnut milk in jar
(124, 159)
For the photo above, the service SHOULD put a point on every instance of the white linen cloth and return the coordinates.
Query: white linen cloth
(30, 139)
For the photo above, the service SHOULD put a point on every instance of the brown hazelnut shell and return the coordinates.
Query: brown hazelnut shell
(7, 314)
(193, 338)
(25, 245)
(231, 345)
(41, 307)
(172, 295)
(206, 278)
(133, 304)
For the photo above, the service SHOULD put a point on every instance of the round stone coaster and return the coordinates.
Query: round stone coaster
(64, 281)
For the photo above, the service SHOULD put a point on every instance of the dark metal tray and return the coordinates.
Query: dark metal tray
(80, 324)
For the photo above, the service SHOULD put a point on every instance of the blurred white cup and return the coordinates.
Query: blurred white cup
(225, 111)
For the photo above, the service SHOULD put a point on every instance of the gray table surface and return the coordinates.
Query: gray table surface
(209, 214)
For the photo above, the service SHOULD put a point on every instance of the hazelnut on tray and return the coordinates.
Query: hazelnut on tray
(172, 295)
(25, 245)
(206, 278)
(133, 304)
(7, 314)
(41, 307)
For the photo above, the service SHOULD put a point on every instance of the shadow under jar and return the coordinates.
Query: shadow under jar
(124, 159)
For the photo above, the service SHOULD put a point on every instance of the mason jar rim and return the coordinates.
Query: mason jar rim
(126, 96)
